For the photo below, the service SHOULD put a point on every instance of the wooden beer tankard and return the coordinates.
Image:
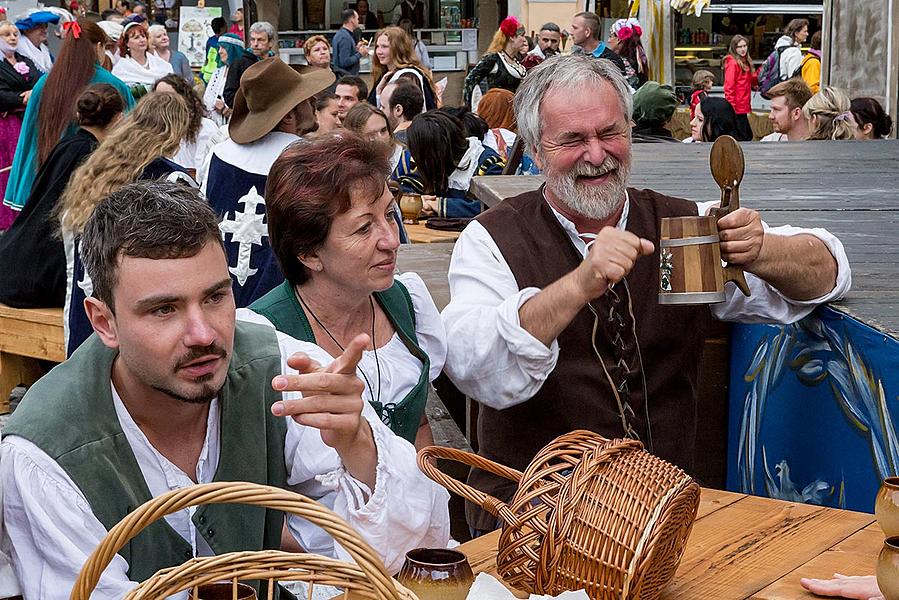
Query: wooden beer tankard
(690, 256)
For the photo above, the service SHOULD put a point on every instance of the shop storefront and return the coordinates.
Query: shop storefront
(702, 41)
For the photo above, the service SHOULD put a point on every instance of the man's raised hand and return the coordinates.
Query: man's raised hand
(611, 258)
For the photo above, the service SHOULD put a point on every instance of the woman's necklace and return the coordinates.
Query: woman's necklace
(374, 344)
(513, 65)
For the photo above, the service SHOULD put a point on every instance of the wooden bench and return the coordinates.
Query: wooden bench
(27, 336)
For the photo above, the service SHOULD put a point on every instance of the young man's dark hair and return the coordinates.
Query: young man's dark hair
(409, 96)
(356, 82)
(219, 25)
(347, 15)
(146, 220)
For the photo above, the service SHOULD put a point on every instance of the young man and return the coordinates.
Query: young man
(346, 51)
(350, 90)
(585, 32)
(548, 41)
(787, 99)
(262, 37)
(171, 390)
(554, 322)
(401, 101)
(271, 110)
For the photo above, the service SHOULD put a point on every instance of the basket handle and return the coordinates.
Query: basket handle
(492, 505)
(228, 492)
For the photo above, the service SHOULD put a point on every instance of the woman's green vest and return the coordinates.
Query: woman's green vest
(70, 415)
(281, 307)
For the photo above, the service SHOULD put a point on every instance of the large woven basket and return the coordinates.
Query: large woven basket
(589, 513)
(367, 579)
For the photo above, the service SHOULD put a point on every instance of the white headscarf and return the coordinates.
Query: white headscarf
(39, 56)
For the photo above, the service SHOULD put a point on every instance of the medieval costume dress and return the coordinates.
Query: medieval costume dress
(25, 165)
(32, 239)
(499, 69)
(14, 80)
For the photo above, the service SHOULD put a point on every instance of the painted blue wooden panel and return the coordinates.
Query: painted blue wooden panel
(813, 410)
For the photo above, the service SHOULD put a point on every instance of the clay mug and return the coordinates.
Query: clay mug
(888, 569)
(886, 506)
(436, 574)
(223, 590)
(410, 206)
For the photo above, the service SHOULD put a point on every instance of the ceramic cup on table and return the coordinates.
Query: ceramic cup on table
(888, 568)
(411, 206)
(223, 590)
(436, 574)
(886, 506)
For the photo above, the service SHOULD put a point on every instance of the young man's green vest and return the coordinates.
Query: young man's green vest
(281, 307)
(69, 414)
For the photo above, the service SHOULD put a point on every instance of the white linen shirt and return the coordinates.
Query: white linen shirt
(493, 359)
(52, 529)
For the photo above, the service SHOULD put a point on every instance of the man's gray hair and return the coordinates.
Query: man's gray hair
(551, 27)
(563, 73)
(263, 27)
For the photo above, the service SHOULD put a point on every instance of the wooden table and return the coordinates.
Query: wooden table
(419, 234)
(746, 547)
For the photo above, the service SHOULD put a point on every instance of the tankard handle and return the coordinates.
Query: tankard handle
(730, 201)
(727, 164)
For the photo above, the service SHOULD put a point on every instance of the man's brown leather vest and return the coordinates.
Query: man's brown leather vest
(578, 393)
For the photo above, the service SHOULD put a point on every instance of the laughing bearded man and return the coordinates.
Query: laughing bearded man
(554, 322)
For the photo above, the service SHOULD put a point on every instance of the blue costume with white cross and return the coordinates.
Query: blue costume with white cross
(235, 188)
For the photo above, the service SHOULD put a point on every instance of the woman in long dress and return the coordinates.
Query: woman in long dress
(17, 76)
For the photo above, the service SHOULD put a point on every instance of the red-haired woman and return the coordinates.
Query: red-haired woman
(740, 79)
(51, 109)
(138, 67)
(332, 229)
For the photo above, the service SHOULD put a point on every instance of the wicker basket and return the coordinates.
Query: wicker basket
(367, 579)
(590, 513)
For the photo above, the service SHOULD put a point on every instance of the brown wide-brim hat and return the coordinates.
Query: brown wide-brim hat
(269, 90)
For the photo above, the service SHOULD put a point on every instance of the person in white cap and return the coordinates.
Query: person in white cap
(113, 31)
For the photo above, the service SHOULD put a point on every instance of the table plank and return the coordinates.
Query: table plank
(431, 262)
(420, 234)
(740, 549)
(481, 552)
(856, 555)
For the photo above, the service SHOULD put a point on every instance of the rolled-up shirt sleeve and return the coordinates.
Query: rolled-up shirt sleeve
(767, 304)
(490, 357)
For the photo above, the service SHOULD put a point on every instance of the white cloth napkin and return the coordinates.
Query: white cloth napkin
(487, 587)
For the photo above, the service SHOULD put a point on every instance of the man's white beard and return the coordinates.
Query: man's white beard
(594, 202)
